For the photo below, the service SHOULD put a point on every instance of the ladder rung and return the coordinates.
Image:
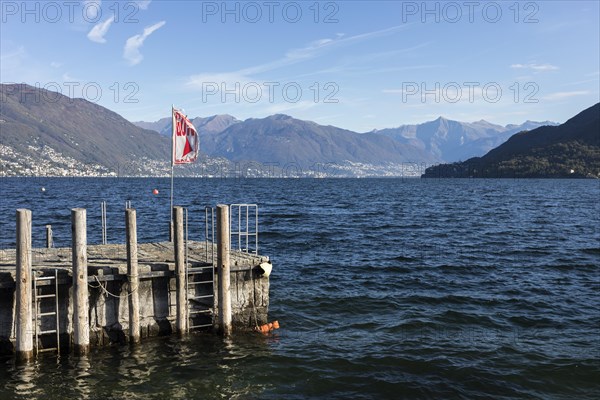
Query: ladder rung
(201, 297)
(199, 282)
(198, 269)
(200, 311)
(48, 349)
(44, 296)
(201, 326)
(45, 278)
(45, 332)
(46, 313)
(196, 273)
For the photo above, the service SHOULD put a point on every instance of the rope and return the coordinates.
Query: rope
(107, 293)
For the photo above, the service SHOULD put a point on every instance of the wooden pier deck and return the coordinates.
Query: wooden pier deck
(109, 262)
(109, 290)
(62, 299)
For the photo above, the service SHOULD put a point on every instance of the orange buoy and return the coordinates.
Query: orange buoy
(266, 328)
(155, 191)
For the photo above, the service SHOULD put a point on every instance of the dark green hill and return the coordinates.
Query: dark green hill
(570, 150)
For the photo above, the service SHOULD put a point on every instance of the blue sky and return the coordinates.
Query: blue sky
(357, 65)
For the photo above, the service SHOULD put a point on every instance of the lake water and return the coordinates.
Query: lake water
(384, 288)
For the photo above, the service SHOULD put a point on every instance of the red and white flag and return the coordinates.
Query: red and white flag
(185, 139)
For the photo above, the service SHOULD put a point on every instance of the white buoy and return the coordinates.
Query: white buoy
(266, 268)
(43, 189)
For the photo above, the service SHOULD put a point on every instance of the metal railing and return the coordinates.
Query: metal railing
(209, 235)
(104, 226)
(243, 225)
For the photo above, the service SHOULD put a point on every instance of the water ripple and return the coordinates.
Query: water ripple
(384, 288)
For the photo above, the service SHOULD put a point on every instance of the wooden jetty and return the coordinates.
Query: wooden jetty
(71, 299)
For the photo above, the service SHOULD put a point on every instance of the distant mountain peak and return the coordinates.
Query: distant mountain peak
(280, 117)
(204, 125)
(569, 150)
(451, 140)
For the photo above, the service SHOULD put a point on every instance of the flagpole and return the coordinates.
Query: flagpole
(172, 170)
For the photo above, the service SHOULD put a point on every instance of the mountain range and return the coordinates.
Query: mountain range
(282, 139)
(570, 150)
(46, 133)
(212, 124)
(448, 140)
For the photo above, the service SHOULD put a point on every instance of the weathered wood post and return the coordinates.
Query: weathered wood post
(81, 326)
(132, 275)
(223, 265)
(48, 236)
(181, 323)
(24, 325)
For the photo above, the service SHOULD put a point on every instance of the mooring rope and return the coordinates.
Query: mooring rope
(107, 293)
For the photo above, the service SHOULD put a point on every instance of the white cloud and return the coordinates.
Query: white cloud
(55, 64)
(293, 56)
(99, 30)
(535, 67)
(317, 47)
(565, 95)
(131, 52)
(68, 78)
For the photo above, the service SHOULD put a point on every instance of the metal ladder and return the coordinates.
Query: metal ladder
(39, 316)
(200, 305)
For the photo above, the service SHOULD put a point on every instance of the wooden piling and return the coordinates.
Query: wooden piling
(24, 324)
(132, 275)
(81, 326)
(49, 236)
(223, 265)
(179, 248)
